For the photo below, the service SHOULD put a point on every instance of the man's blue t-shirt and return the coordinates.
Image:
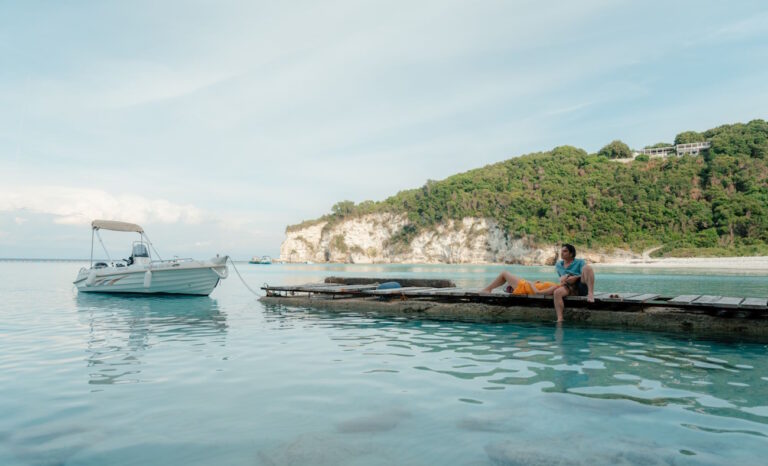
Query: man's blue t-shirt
(573, 269)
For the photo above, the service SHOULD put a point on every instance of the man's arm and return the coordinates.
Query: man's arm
(569, 279)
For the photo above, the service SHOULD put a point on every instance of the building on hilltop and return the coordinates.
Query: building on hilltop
(692, 148)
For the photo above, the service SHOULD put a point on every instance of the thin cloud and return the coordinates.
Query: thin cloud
(742, 29)
(78, 206)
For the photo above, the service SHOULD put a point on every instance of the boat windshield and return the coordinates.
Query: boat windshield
(140, 250)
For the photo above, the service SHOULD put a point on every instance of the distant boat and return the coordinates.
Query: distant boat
(261, 260)
(141, 274)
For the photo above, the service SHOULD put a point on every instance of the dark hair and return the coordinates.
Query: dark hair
(570, 249)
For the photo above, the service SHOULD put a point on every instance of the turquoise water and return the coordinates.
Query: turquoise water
(95, 380)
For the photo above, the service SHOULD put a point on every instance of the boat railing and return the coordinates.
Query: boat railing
(160, 264)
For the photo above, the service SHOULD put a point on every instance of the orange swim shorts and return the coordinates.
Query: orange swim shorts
(525, 287)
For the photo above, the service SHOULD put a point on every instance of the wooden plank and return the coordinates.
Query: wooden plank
(729, 302)
(404, 282)
(621, 297)
(683, 299)
(754, 303)
(323, 289)
(458, 292)
(316, 287)
(601, 295)
(283, 288)
(424, 293)
(304, 287)
(718, 301)
(706, 299)
(346, 288)
(641, 298)
(395, 291)
(421, 292)
(440, 290)
(575, 298)
(526, 296)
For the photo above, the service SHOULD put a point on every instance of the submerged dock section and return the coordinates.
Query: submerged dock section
(700, 314)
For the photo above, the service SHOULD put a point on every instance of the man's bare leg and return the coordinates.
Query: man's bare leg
(549, 291)
(559, 294)
(504, 277)
(588, 277)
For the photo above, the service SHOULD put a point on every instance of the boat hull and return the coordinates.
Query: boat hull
(199, 280)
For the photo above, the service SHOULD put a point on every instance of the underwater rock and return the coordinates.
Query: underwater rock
(517, 454)
(489, 422)
(376, 422)
(638, 458)
(315, 449)
(579, 450)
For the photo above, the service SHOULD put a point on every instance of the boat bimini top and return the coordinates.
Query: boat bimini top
(139, 247)
(114, 225)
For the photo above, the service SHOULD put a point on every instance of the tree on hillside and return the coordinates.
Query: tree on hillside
(688, 137)
(343, 208)
(740, 140)
(616, 150)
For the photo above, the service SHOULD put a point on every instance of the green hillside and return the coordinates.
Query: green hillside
(715, 203)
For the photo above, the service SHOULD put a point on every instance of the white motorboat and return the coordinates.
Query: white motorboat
(140, 273)
(262, 260)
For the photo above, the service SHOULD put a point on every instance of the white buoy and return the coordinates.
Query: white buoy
(147, 279)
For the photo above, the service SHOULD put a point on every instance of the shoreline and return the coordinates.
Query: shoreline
(727, 263)
(746, 263)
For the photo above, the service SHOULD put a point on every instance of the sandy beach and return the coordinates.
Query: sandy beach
(726, 263)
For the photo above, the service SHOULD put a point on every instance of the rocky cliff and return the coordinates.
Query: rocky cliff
(372, 239)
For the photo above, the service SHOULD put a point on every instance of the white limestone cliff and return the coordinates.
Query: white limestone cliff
(366, 240)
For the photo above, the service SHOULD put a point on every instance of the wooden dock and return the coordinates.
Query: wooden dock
(707, 316)
(721, 306)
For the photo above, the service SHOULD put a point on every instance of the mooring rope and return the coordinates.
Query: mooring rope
(241, 277)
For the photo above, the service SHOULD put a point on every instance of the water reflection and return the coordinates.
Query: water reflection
(123, 328)
(713, 377)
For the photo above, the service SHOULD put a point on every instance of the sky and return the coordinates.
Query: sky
(215, 124)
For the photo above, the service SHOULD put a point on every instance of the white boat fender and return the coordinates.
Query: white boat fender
(147, 279)
(91, 278)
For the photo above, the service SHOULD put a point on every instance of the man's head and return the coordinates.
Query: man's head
(568, 252)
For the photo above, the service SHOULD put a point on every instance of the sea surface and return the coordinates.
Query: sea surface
(225, 380)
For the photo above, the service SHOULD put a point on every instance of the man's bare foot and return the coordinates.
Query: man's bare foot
(486, 290)
(590, 298)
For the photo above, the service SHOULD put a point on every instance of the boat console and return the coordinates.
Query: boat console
(139, 254)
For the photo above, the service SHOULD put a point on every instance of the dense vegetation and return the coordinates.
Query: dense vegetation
(616, 150)
(715, 203)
